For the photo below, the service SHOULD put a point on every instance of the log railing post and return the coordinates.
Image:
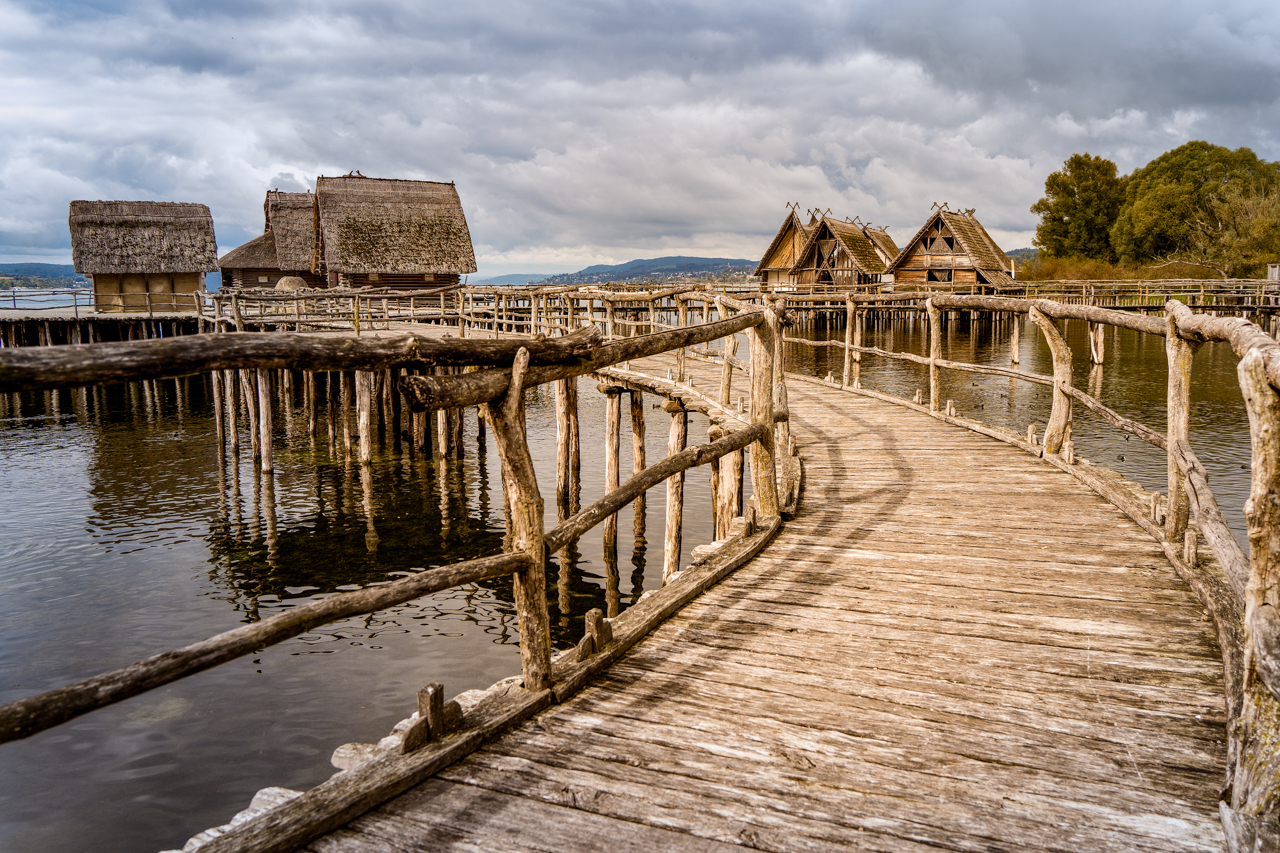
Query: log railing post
(684, 322)
(1055, 433)
(675, 490)
(506, 416)
(935, 352)
(1015, 341)
(782, 431)
(264, 420)
(764, 477)
(364, 414)
(612, 430)
(561, 388)
(845, 378)
(1179, 352)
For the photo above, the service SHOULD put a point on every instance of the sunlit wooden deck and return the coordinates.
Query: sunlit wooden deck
(952, 646)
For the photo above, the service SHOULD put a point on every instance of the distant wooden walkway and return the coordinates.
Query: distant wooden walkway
(952, 646)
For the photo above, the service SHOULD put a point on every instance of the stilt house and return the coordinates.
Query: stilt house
(775, 268)
(391, 233)
(952, 247)
(287, 246)
(842, 254)
(143, 255)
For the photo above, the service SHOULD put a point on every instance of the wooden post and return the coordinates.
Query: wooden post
(675, 490)
(1015, 341)
(309, 386)
(680, 356)
(935, 353)
(637, 434)
(1252, 821)
(346, 380)
(1055, 432)
(506, 416)
(764, 477)
(250, 394)
(229, 393)
(575, 444)
(726, 371)
(561, 387)
(781, 431)
(1097, 342)
(612, 427)
(364, 414)
(1179, 353)
(264, 420)
(845, 376)
(215, 378)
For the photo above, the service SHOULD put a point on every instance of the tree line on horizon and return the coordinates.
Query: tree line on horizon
(1199, 206)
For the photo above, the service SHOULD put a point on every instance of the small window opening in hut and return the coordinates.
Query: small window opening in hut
(939, 275)
(429, 276)
(262, 278)
(373, 276)
(950, 241)
(927, 242)
(982, 279)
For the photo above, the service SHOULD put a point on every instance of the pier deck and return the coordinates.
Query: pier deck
(953, 646)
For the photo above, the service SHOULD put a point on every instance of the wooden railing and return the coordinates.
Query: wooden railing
(1241, 592)
(503, 369)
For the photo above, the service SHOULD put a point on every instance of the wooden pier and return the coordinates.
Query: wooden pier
(922, 632)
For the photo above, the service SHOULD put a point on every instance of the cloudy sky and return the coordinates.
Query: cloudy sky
(583, 133)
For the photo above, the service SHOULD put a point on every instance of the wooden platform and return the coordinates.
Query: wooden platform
(953, 646)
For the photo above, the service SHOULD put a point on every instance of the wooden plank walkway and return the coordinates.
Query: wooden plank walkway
(953, 646)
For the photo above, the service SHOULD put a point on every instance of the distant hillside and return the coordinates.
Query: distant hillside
(676, 268)
(1024, 256)
(511, 278)
(40, 276)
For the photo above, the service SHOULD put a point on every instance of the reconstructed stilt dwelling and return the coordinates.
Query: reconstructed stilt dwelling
(287, 246)
(952, 246)
(391, 233)
(143, 256)
(842, 254)
(777, 265)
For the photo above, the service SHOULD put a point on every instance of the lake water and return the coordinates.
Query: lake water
(123, 535)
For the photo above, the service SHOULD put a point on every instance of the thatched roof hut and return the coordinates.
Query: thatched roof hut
(838, 254)
(952, 246)
(287, 246)
(118, 237)
(780, 258)
(143, 255)
(392, 232)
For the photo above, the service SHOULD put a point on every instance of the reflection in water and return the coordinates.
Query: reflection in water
(128, 531)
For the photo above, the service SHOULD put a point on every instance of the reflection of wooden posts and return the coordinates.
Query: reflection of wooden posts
(1179, 353)
(309, 391)
(264, 420)
(364, 414)
(935, 352)
(612, 428)
(269, 513)
(506, 416)
(764, 477)
(638, 458)
(675, 490)
(1057, 430)
(575, 446)
(331, 410)
(366, 489)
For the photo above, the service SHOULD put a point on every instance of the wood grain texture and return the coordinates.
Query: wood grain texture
(901, 669)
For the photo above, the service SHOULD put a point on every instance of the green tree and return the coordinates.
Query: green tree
(1167, 197)
(1080, 204)
(1237, 235)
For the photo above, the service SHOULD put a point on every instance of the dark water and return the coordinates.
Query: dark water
(124, 536)
(1132, 381)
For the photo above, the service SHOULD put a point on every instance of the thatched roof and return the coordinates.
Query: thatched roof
(389, 226)
(987, 257)
(117, 237)
(258, 254)
(879, 236)
(291, 218)
(792, 222)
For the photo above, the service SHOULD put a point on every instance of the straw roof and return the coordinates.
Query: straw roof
(258, 254)
(291, 218)
(391, 226)
(117, 237)
(987, 257)
(791, 222)
(879, 236)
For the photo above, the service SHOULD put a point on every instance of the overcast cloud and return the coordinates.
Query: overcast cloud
(581, 134)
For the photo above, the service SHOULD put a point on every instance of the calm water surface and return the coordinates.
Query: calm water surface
(124, 535)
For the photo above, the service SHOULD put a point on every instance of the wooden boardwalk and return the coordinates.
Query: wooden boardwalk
(953, 646)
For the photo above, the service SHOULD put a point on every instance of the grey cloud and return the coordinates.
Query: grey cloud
(594, 132)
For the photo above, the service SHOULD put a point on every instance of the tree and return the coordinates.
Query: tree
(1165, 199)
(1080, 204)
(1236, 236)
